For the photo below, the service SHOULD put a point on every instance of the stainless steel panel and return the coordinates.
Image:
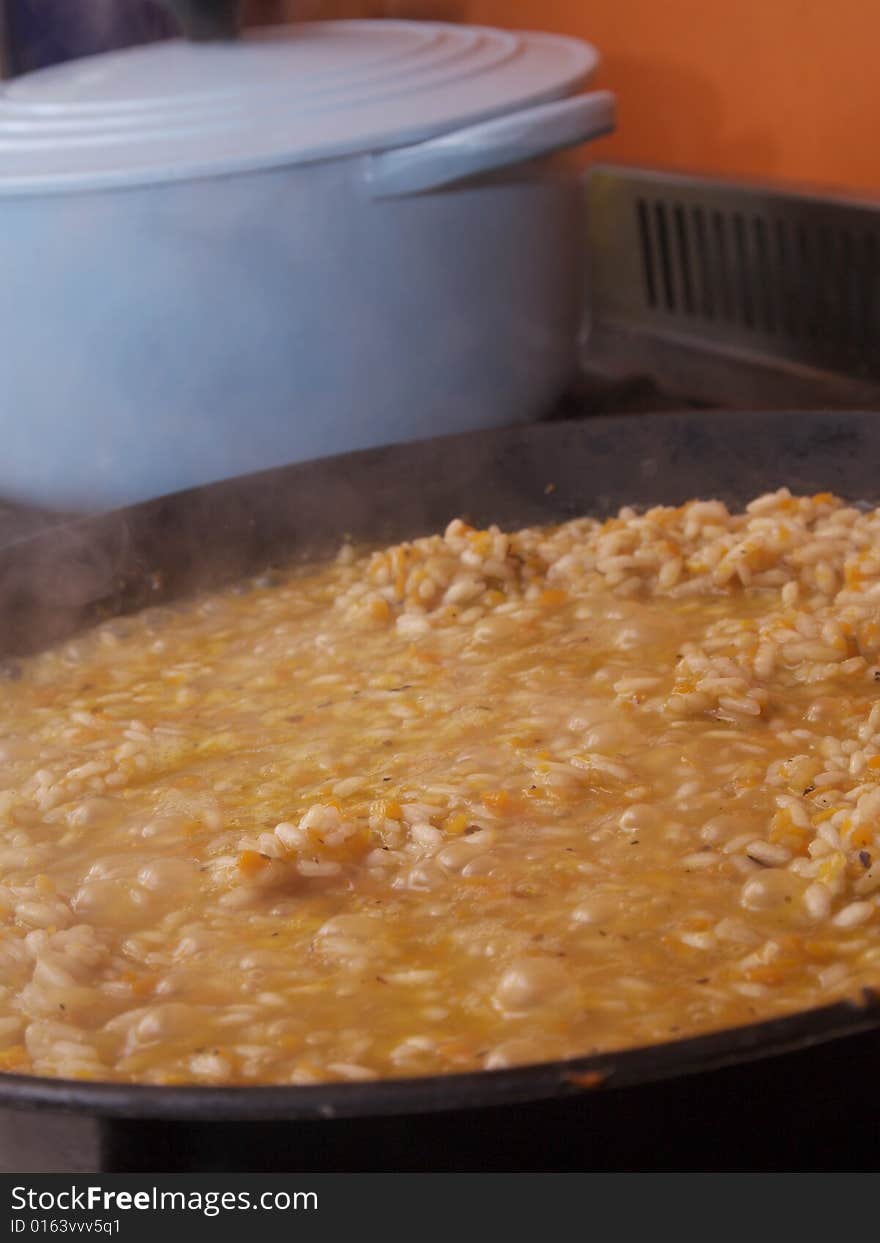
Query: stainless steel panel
(762, 272)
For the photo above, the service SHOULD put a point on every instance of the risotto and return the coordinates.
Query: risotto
(476, 800)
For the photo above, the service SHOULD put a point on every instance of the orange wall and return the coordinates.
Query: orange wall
(780, 89)
(773, 89)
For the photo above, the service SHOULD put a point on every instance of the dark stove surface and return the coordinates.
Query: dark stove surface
(595, 394)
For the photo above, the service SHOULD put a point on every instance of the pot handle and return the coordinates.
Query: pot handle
(506, 140)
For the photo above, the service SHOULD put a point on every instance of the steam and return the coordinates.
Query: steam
(175, 302)
(176, 546)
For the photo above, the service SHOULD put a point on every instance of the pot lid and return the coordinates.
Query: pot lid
(278, 96)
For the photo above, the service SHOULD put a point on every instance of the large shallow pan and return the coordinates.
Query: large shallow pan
(796, 1093)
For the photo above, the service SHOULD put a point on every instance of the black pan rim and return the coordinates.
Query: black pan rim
(542, 1081)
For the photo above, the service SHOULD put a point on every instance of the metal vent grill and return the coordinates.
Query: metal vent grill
(785, 276)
